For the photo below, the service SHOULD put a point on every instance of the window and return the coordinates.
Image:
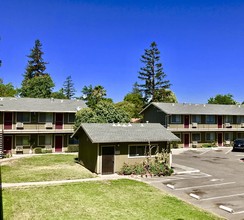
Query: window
(141, 150)
(23, 117)
(176, 119)
(73, 141)
(210, 119)
(240, 119)
(210, 136)
(45, 140)
(196, 137)
(228, 119)
(196, 119)
(240, 135)
(71, 118)
(45, 117)
(228, 136)
(22, 140)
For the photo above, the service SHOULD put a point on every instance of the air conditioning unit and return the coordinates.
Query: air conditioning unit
(242, 125)
(228, 125)
(49, 125)
(194, 125)
(19, 125)
(194, 143)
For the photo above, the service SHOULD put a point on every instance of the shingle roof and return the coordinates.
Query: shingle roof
(40, 105)
(114, 133)
(199, 109)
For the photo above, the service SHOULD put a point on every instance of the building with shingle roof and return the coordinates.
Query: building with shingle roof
(104, 148)
(198, 124)
(27, 123)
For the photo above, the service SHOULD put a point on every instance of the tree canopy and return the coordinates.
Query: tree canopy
(36, 83)
(92, 96)
(104, 112)
(151, 74)
(222, 99)
(7, 90)
(68, 88)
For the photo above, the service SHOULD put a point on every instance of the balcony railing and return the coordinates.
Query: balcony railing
(206, 127)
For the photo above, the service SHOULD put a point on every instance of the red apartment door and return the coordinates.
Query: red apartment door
(186, 140)
(8, 120)
(59, 121)
(107, 160)
(7, 143)
(220, 122)
(186, 121)
(220, 139)
(58, 143)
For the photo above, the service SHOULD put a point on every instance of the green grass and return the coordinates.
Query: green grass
(117, 199)
(43, 168)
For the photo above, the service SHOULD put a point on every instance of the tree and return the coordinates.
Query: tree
(36, 83)
(59, 94)
(222, 99)
(93, 95)
(7, 90)
(152, 73)
(104, 112)
(163, 95)
(128, 107)
(68, 88)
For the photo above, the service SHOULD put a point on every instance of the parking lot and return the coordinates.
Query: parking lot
(214, 182)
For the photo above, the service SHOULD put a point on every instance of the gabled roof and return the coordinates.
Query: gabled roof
(8, 104)
(198, 109)
(117, 133)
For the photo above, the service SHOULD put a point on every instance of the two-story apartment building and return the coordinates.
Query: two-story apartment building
(26, 123)
(196, 124)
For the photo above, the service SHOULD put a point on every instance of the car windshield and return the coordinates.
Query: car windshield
(239, 142)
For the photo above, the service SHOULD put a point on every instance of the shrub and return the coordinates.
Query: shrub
(73, 148)
(38, 150)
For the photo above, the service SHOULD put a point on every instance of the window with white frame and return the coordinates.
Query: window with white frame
(196, 136)
(44, 140)
(228, 136)
(24, 117)
(210, 136)
(71, 118)
(228, 119)
(45, 117)
(73, 141)
(240, 119)
(196, 119)
(210, 119)
(176, 119)
(141, 150)
(22, 140)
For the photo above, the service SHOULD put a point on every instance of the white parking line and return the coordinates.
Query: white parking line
(202, 186)
(240, 212)
(205, 152)
(220, 197)
(228, 151)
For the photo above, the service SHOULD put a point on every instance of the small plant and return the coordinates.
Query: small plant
(73, 148)
(38, 150)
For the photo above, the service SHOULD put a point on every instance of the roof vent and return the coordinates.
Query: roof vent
(78, 108)
(124, 125)
(62, 101)
(142, 125)
(118, 124)
(114, 125)
(129, 125)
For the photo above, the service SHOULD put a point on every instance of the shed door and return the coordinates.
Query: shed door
(107, 160)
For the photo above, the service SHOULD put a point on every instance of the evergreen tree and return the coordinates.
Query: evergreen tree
(36, 83)
(68, 88)
(152, 73)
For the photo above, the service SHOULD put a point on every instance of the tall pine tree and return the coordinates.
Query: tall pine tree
(68, 88)
(151, 74)
(36, 83)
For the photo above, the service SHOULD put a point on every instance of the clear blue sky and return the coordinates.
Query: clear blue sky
(101, 42)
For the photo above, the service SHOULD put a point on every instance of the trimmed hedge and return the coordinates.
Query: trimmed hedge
(73, 148)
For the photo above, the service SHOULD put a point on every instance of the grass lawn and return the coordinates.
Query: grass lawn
(117, 199)
(43, 168)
